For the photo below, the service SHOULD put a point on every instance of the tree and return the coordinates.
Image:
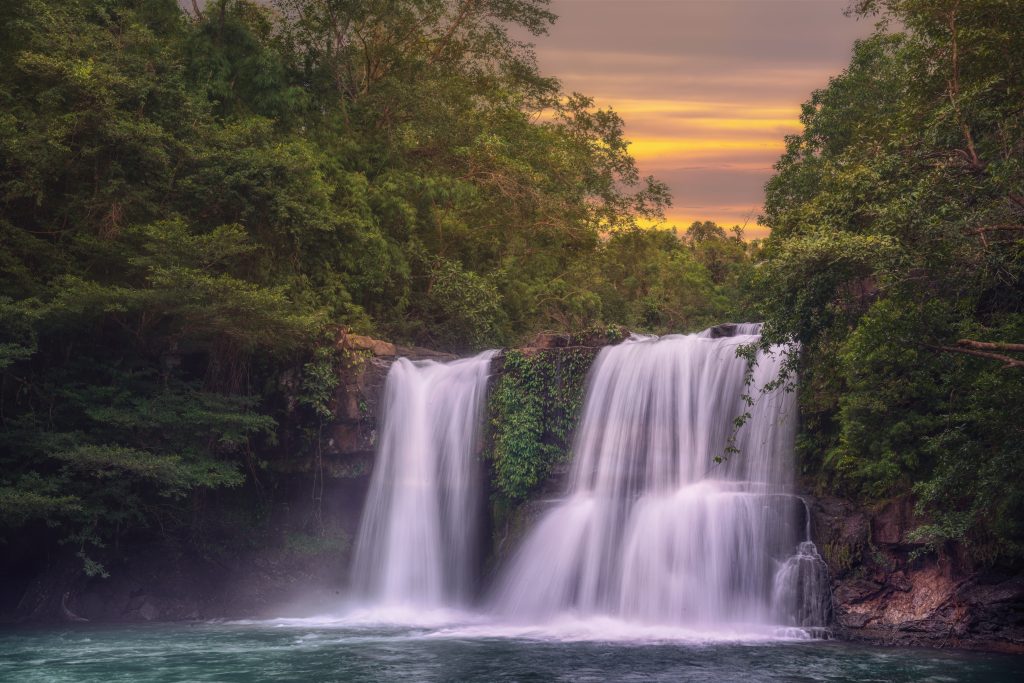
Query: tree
(137, 300)
(895, 261)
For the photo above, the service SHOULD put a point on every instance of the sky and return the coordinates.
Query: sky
(707, 88)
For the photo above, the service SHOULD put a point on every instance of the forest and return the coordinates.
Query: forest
(194, 200)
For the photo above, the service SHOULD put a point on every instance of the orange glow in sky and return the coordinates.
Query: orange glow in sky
(708, 88)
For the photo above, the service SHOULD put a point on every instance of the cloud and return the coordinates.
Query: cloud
(741, 31)
(708, 88)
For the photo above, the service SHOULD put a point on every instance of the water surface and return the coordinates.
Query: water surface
(312, 650)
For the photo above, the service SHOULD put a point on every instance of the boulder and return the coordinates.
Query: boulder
(377, 347)
(551, 340)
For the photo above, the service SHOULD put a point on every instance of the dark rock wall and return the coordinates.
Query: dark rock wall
(883, 594)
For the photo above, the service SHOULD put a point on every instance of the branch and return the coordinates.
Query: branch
(464, 11)
(995, 228)
(954, 92)
(1007, 361)
(991, 346)
(980, 231)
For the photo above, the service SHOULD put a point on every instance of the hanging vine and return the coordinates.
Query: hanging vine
(533, 410)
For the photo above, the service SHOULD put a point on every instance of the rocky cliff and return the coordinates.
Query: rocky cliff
(887, 592)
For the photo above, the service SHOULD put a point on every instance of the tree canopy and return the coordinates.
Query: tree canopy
(193, 200)
(896, 260)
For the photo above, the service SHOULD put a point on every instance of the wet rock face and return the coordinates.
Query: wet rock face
(891, 524)
(353, 433)
(883, 596)
(352, 437)
(723, 330)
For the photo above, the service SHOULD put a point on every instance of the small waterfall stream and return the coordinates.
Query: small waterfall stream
(417, 543)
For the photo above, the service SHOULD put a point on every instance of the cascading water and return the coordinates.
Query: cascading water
(652, 529)
(417, 541)
(802, 594)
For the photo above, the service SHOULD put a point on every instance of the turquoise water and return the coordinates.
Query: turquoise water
(315, 651)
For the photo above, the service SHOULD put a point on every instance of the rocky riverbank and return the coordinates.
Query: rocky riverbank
(885, 593)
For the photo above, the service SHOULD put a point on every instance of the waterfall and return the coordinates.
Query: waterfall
(417, 544)
(652, 529)
(802, 595)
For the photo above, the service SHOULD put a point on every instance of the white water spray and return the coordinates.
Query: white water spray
(417, 544)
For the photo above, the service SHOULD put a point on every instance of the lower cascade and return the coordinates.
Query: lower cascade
(652, 528)
(417, 543)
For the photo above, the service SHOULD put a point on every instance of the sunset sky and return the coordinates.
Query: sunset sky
(708, 88)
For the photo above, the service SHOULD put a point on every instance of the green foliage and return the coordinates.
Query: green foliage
(533, 409)
(192, 201)
(485, 180)
(897, 221)
(460, 310)
(136, 307)
(654, 281)
(320, 380)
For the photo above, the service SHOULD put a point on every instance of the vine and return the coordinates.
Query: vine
(533, 411)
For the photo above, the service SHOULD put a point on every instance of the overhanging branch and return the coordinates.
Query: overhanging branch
(990, 346)
(974, 348)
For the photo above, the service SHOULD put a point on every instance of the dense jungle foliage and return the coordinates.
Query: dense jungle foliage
(193, 199)
(896, 259)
